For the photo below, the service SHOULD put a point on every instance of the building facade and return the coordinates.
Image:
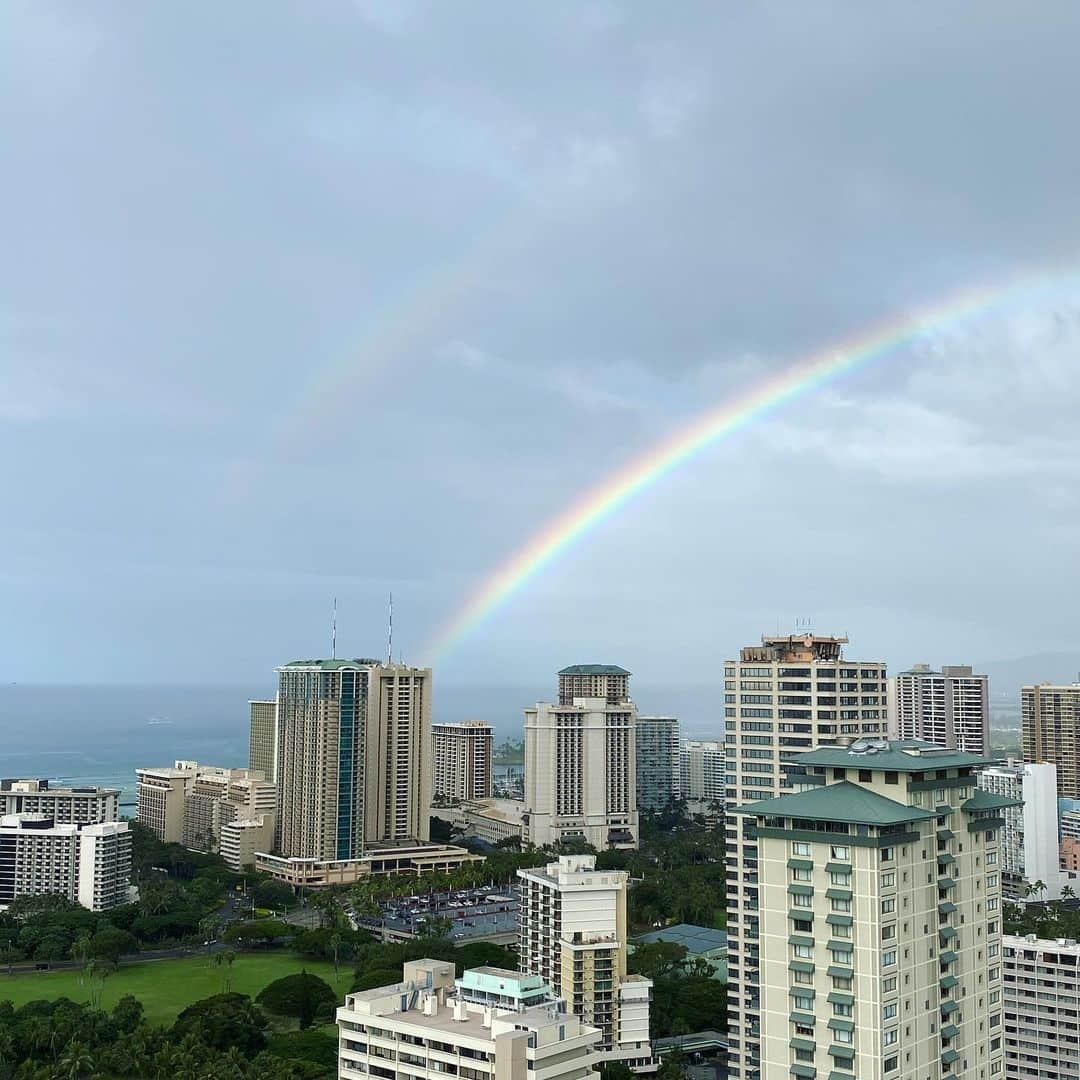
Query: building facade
(355, 762)
(490, 1024)
(161, 794)
(1042, 1008)
(1051, 720)
(573, 935)
(657, 773)
(461, 758)
(66, 806)
(88, 864)
(580, 773)
(1029, 843)
(950, 707)
(264, 743)
(607, 681)
(782, 697)
(879, 918)
(702, 769)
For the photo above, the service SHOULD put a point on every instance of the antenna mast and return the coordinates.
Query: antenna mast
(390, 634)
(333, 631)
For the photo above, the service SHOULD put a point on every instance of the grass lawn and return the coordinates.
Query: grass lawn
(166, 986)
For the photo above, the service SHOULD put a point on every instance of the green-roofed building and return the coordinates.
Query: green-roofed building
(877, 883)
(607, 681)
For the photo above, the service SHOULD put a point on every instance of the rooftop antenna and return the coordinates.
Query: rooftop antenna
(390, 633)
(333, 631)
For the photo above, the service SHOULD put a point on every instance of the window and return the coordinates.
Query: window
(888, 1011)
(991, 858)
(888, 906)
(843, 1036)
(838, 878)
(888, 958)
(803, 977)
(801, 875)
(891, 1037)
(839, 852)
(892, 1063)
(804, 1002)
(799, 848)
(840, 905)
(843, 1010)
(802, 901)
(888, 986)
(888, 854)
(888, 933)
(995, 996)
(805, 952)
(841, 982)
(892, 778)
(888, 879)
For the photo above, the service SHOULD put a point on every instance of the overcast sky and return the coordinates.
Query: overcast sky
(332, 298)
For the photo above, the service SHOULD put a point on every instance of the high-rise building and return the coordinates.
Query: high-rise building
(607, 681)
(581, 763)
(1029, 842)
(573, 936)
(784, 696)
(355, 764)
(161, 795)
(1042, 1009)
(879, 913)
(89, 864)
(66, 806)
(264, 744)
(657, 753)
(1051, 719)
(492, 1024)
(702, 768)
(950, 707)
(461, 759)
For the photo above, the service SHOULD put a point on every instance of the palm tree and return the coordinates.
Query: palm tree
(1037, 888)
(76, 1062)
(1068, 892)
(335, 944)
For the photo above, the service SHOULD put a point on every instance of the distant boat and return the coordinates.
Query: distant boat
(155, 720)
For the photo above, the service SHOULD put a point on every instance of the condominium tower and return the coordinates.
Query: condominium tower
(355, 761)
(702, 770)
(1051, 718)
(573, 935)
(264, 744)
(1029, 842)
(1042, 1008)
(461, 759)
(65, 805)
(657, 752)
(786, 695)
(607, 681)
(950, 707)
(580, 767)
(879, 919)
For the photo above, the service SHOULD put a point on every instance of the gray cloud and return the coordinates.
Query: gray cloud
(345, 297)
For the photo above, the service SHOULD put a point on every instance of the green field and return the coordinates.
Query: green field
(166, 986)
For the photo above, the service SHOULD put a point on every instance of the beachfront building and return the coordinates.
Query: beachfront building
(782, 697)
(950, 707)
(491, 1024)
(88, 864)
(879, 911)
(1042, 1009)
(657, 775)
(461, 760)
(65, 805)
(573, 935)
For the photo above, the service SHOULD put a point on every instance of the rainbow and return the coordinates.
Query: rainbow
(609, 496)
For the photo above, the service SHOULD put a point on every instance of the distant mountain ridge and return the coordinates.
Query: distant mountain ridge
(1007, 676)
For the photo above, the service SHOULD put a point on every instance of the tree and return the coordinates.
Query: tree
(256, 932)
(616, 1070)
(335, 944)
(273, 894)
(375, 977)
(222, 1021)
(109, 944)
(128, 1013)
(76, 1062)
(301, 995)
(658, 959)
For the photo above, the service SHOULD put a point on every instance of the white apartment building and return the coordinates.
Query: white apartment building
(580, 773)
(89, 864)
(489, 1025)
(702, 768)
(573, 935)
(786, 695)
(950, 707)
(461, 760)
(1029, 847)
(880, 918)
(243, 838)
(657, 775)
(1042, 1008)
(355, 763)
(66, 806)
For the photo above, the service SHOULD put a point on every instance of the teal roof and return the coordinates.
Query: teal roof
(837, 802)
(986, 800)
(594, 669)
(330, 665)
(901, 755)
(698, 940)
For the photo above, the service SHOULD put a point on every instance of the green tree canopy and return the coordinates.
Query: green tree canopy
(303, 995)
(223, 1021)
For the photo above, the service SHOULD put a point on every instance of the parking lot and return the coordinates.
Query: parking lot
(476, 914)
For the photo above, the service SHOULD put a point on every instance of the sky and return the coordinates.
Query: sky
(343, 298)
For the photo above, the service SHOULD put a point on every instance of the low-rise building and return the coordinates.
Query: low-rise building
(1042, 1008)
(65, 805)
(88, 864)
(379, 859)
(242, 838)
(490, 820)
(489, 1025)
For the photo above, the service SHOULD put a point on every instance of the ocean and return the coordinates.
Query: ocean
(100, 734)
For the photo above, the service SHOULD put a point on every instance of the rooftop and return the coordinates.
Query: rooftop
(837, 802)
(985, 800)
(896, 755)
(333, 664)
(696, 939)
(594, 669)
